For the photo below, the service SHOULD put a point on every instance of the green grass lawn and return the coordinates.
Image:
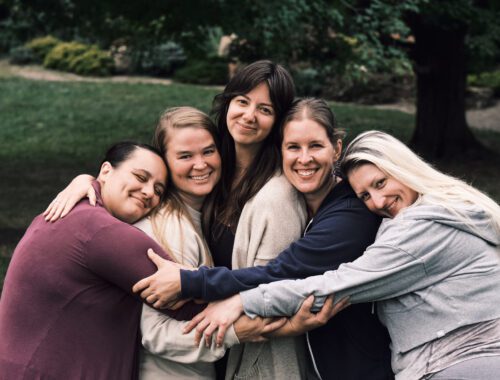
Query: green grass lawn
(51, 131)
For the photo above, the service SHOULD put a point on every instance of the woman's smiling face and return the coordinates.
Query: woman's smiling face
(194, 163)
(134, 187)
(382, 194)
(309, 157)
(250, 117)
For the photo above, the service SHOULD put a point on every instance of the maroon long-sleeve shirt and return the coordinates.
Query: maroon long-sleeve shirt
(67, 310)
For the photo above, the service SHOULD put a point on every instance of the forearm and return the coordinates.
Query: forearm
(366, 279)
(211, 284)
(117, 252)
(163, 336)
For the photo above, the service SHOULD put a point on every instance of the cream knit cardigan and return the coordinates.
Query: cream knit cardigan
(168, 353)
(269, 222)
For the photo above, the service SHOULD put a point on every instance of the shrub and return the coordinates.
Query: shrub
(79, 58)
(61, 56)
(92, 62)
(308, 81)
(486, 79)
(161, 59)
(41, 46)
(21, 55)
(210, 71)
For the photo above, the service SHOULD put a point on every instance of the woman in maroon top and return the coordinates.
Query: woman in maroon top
(67, 311)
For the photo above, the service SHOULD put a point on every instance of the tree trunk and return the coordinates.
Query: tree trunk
(441, 128)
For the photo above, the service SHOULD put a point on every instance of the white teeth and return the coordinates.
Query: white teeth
(306, 173)
(200, 177)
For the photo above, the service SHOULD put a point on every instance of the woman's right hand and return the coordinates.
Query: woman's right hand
(253, 330)
(79, 188)
(219, 315)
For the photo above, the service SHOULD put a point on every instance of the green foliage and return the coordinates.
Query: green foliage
(288, 31)
(92, 62)
(307, 81)
(201, 42)
(21, 55)
(41, 46)
(213, 71)
(487, 79)
(79, 58)
(61, 56)
(162, 59)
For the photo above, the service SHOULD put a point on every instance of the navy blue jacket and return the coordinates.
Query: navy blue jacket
(353, 345)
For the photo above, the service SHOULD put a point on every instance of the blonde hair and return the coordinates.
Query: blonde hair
(178, 117)
(396, 160)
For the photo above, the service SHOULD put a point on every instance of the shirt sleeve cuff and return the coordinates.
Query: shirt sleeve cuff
(253, 302)
(191, 283)
(231, 338)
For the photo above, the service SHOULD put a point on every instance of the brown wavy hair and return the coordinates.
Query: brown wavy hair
(227, 200)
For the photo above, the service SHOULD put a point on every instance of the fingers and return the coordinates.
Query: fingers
(208, 333)
(324, 315)
(273, 324)
(68, 205)
(142, 286)
(204, 323)
(55, 209)
(193, 323)
(329, 309)
(176, 304)
(341, 305)
(160, 304)
(92, 196)
(306, 306)
(221, 332)
(156, 259)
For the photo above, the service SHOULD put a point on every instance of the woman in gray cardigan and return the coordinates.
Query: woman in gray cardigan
(434, 268)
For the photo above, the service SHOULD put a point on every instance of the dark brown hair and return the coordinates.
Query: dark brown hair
(226, 203)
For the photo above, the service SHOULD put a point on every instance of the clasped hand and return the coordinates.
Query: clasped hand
(220, 315)
(162, 289)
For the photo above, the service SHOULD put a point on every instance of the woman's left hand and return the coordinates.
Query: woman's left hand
(218, 315)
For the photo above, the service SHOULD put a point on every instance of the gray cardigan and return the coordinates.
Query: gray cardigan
(431, 273)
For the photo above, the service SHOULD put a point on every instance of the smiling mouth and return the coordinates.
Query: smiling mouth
(245, 127)
(390, 209)
(143, 203)
(306, 173)
(200, 178)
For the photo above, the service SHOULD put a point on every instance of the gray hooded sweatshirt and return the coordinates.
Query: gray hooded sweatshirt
(430, 272)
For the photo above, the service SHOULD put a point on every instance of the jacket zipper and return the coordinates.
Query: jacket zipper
(307, 334)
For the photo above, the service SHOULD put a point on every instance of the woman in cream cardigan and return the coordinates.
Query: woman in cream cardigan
(254, 212)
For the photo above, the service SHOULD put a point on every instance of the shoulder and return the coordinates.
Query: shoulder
(407, 232)
(92, 219)
(174, 226)
(277, 203)
(345, 209)
(275, 189)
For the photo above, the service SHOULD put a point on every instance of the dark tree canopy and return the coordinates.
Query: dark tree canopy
(444, 39)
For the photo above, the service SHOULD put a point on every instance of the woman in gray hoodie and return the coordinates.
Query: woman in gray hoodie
(434, 268)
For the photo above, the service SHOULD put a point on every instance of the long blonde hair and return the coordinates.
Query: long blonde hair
(396, 160)
(178, 117)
